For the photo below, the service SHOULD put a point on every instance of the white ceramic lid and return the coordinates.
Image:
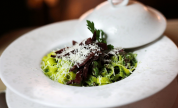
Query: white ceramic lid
(127, 25)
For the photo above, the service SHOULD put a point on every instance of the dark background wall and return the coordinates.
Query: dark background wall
(16, 14)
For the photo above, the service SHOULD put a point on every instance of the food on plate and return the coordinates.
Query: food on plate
(91, 62)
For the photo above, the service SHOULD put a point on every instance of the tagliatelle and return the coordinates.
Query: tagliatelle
(89, 63)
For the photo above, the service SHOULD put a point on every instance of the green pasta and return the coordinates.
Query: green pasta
(116, 70)
(90, 63)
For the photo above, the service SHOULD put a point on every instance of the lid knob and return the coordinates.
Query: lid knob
(118, 3)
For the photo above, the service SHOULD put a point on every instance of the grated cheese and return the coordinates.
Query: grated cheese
(77, 54)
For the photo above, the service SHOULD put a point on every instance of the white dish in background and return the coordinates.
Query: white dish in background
(129, 26)
(20, 71)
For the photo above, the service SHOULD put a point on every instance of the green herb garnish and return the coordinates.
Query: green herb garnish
(100, 35)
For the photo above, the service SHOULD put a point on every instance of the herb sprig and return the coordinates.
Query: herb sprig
(100, 35)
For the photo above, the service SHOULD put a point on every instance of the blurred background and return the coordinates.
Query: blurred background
(18, 14)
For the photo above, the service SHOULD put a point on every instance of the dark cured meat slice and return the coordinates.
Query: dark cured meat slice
(67, 54)
(85, 61)
(88, 41)
(94, 36)
(85, 69)
(73, 68)
(101, 58)
(53, 56)
(78, 78)
(102, 45)
(82, 74)
(74, 42)
(60, 51)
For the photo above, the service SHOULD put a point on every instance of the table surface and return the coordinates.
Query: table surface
(171, 31)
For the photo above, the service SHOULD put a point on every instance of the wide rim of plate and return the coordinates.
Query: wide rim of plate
(15, 101)
(21, 73)
(170, 92)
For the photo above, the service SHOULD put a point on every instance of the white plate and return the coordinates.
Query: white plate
(21, 73)
(164, 99)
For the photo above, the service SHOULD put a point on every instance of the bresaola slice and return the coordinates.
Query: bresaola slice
(61, 50)
(89, 49)
(83, 63)
(94, 36)
(88, 41)
(79, 54)
(74, 42)
(78, 78)
(102, 45)
(86, 69)
(82, 74)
